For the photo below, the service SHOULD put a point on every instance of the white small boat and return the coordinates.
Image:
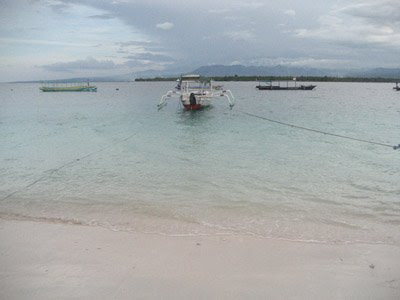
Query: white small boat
(69, 87)
(196, 93)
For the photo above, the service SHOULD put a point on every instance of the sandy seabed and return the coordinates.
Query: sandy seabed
(59, 261)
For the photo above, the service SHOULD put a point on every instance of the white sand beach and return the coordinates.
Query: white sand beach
(59, 261)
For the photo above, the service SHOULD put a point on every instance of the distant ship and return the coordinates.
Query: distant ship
(65, 88)
(277, 87)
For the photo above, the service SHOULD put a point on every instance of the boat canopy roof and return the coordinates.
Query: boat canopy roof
(190, 77)
(195, 78)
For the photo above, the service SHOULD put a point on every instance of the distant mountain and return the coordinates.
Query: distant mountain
(176, 72)
(279, 70)
(240, 70)
(116, 78)
(378, 72)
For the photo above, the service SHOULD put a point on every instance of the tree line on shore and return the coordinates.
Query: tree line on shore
(281, 78)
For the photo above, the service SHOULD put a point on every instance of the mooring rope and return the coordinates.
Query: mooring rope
(395, 147)
(71, 162)
(52, 171)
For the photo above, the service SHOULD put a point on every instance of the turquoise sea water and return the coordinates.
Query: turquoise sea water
(112, 159)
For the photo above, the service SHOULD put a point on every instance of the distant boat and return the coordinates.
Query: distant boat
(397, 87)
(65, 88)
(278, 87)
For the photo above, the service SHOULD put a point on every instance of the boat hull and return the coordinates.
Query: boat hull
(69, 89)
(191, 101)
(281, 88)
(193, 106)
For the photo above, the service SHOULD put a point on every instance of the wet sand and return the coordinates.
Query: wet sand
(59, 261)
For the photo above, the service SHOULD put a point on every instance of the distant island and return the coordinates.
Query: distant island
(282, 73)
(280, 78)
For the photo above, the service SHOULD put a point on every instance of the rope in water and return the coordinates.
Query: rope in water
(52, 171)
(71, 162)
(321, 132)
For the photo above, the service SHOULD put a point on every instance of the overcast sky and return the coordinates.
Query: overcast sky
(46, 39)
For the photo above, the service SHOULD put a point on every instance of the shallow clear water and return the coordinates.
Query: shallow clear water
(112, 159)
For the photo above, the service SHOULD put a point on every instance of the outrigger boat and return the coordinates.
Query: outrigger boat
(196, 93)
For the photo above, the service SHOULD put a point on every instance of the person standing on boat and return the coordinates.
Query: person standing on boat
(192, 99)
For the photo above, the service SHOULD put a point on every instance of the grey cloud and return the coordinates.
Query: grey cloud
(165, 25)
(151, 57)
(377, 11)
(91, 63)
(134, 63)
(59, 7)
(143, 44)
(102, 17)
(358, 23)
(83, 64)
(241, 35)
(229, 28)
(147, 46)
(239, 30)
(135, 43)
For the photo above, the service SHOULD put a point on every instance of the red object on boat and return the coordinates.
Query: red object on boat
(193, 106)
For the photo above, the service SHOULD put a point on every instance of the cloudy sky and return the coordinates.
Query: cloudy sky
(46, 39)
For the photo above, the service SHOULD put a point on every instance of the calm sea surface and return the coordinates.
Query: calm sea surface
(112, 159)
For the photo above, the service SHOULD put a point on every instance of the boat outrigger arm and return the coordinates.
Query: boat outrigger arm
(203, 95)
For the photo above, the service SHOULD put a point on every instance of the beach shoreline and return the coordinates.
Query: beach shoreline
(63, 261)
